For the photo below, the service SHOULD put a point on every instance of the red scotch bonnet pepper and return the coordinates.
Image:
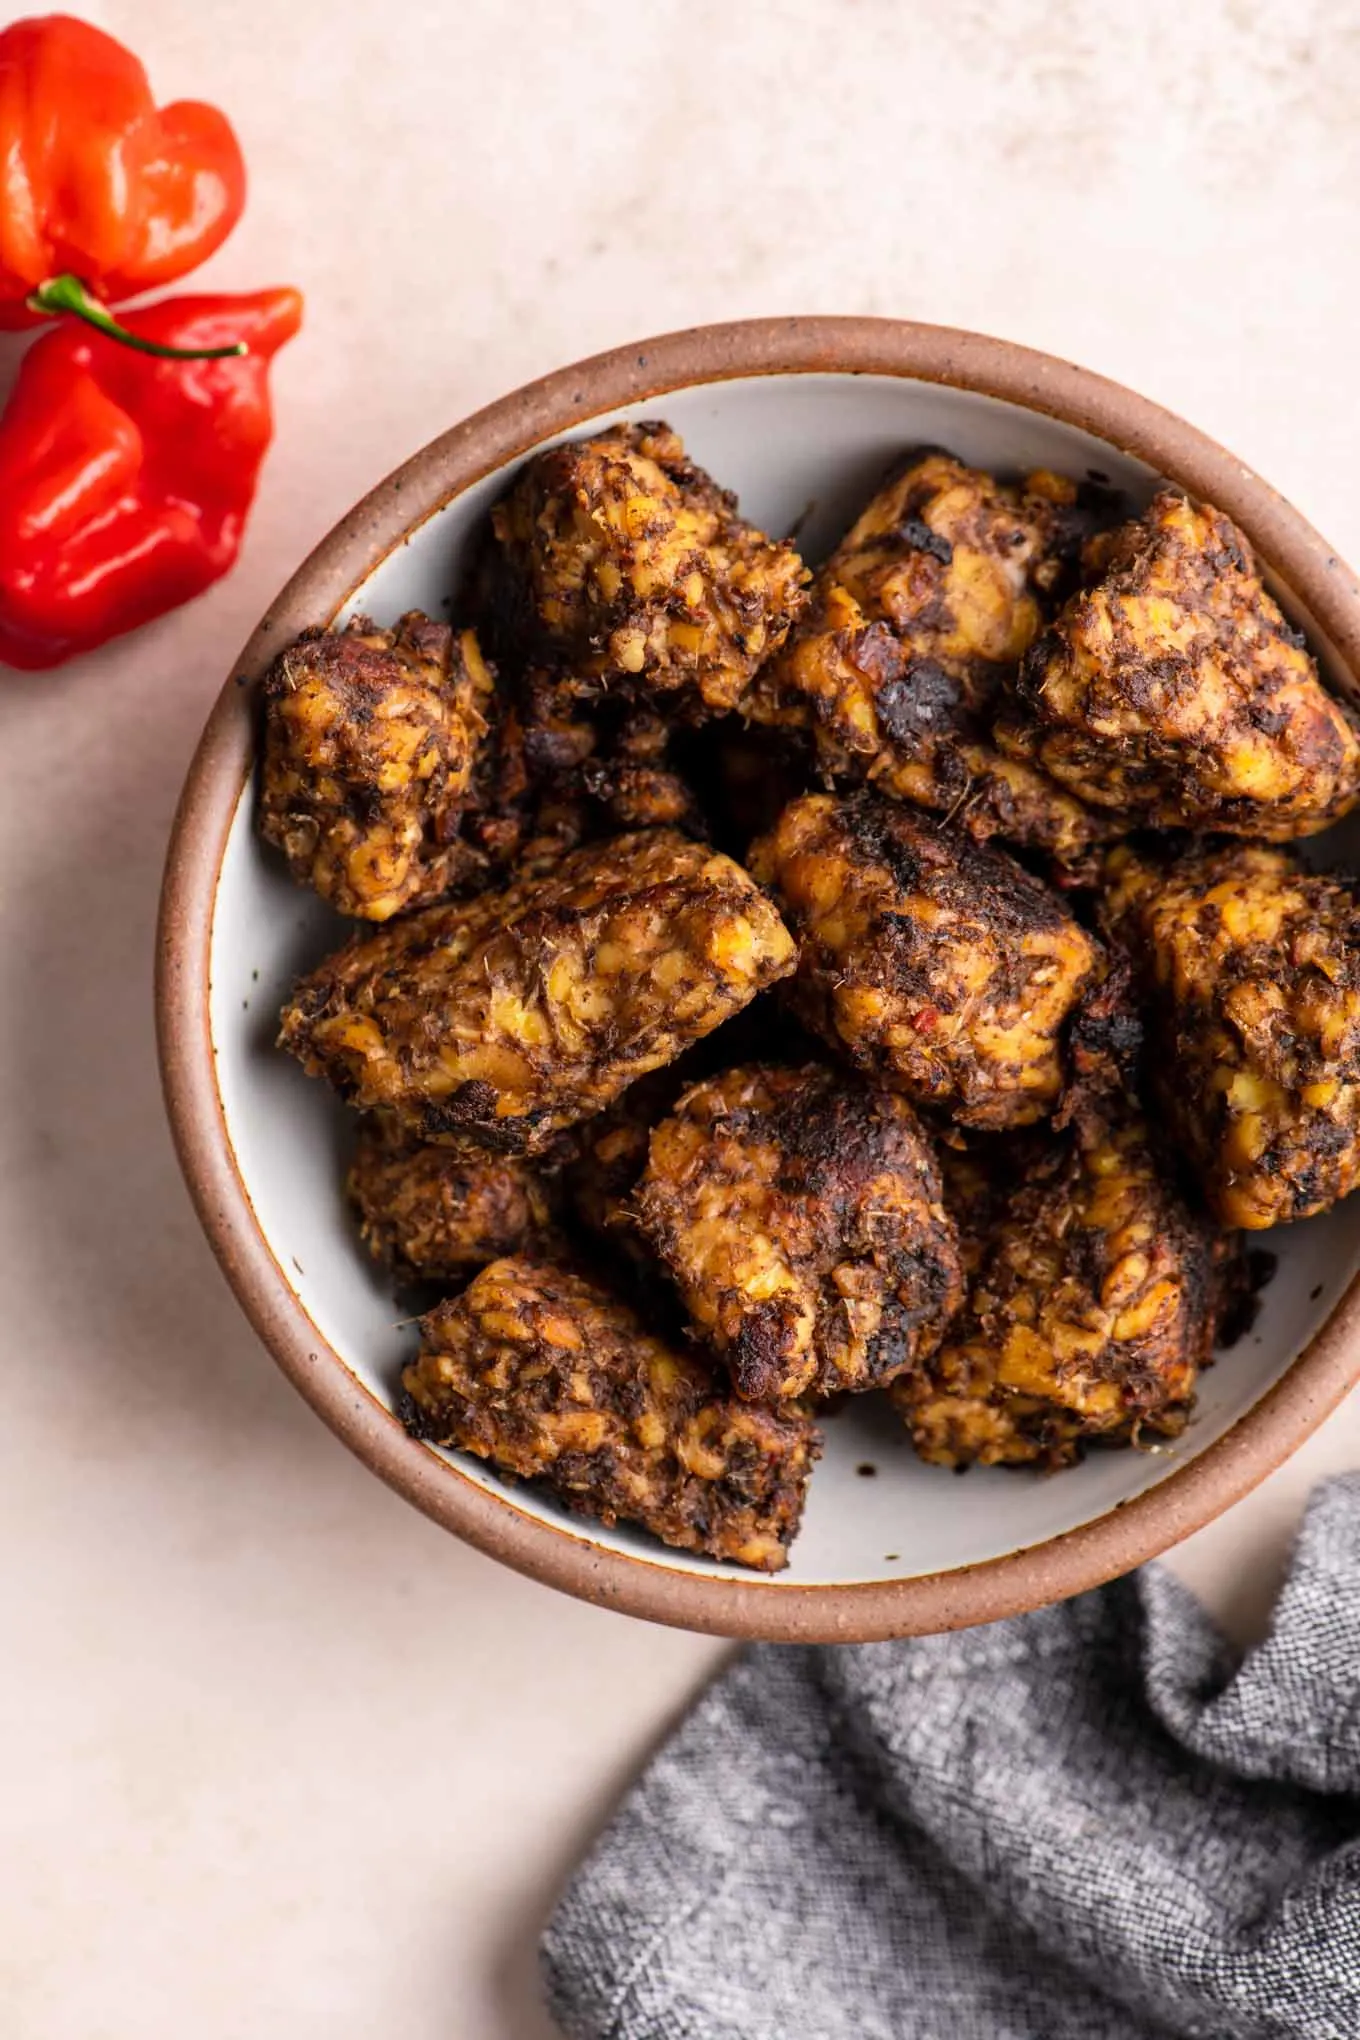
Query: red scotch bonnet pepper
(98, 186)
(125, 481)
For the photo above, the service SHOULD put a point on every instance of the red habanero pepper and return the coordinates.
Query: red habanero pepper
(101, 191)
(124, 482)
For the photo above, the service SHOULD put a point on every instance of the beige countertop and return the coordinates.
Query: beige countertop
(277, 1757)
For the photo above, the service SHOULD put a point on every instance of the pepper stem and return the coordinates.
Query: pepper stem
(68, 294)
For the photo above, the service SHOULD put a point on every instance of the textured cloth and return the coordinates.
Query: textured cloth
(1089, 1823)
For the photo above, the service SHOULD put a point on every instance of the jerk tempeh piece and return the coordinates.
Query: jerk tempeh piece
(437, 1214)
(553, 1379)
(370, 741)
(800, 1216)
(519, 1012)
(1252, 969)
(919, 615)
(936, 966)
(1173, 689)
(1091, 1307)
(624, 565)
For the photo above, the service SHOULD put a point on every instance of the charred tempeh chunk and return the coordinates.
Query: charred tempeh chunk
(935, 965)
(519, 1012)
(1251, 968)
(551, 1378)
(437, 1214)
(370, 742)
(624, 565)
(800, 1215)
(916, 620)
(1093, 1297)
(1173, 689)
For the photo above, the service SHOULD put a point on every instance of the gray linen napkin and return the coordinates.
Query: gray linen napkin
(1089, 1823)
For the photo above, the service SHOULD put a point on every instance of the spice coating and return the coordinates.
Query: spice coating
(553, 1379)
(1173, 689)
(800, 1216)
(1091, 1307)
(370, 740)
(621, 563)
(920, 613)
(1252, 970)
(935, 965)
(521, 1011)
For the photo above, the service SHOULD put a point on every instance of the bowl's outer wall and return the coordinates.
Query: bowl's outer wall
(844, 1603)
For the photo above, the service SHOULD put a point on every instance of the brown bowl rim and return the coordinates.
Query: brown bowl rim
(1189, 1497)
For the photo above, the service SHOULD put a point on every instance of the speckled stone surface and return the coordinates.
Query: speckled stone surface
(279, 1756)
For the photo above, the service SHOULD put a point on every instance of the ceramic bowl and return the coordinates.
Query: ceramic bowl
(801, 417)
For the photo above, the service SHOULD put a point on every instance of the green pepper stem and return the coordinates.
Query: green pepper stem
(68, 294)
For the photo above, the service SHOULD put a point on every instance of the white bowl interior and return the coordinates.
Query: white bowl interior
(795, 447)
